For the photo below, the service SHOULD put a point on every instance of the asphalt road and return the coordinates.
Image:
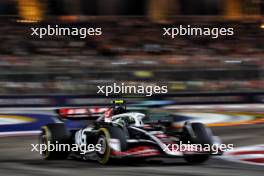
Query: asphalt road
(16, 159)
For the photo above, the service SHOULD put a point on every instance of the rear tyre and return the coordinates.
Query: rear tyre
(201, 135)
(54, 134)
(103, 155)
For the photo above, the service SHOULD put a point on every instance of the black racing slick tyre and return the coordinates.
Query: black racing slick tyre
(53, 135)
(103, 136)
(200, 134)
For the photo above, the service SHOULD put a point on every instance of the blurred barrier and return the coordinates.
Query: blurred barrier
(154, 101)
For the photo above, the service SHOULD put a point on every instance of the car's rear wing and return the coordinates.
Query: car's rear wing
(81, 113)
(90, 113)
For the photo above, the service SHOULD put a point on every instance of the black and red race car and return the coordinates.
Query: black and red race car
(116, 133)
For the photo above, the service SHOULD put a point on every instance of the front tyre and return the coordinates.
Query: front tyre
(197, 133)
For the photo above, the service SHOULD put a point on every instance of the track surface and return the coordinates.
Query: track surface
(16, 159)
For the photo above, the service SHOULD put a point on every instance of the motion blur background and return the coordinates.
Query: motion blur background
(132, 48)
(37, 75)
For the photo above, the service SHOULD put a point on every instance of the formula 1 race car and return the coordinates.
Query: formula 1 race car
(117, 133)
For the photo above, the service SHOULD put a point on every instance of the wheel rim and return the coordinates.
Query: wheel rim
(43, 141)
(102, 142)
(104, 149)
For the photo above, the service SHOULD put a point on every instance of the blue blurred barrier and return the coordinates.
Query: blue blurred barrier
(21, 123)
(24, 122)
